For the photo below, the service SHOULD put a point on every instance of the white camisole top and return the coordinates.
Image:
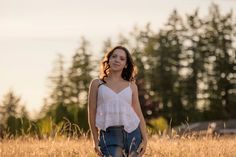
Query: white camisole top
(115, 109)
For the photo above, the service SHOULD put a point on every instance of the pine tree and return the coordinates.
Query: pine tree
(222, 62)
(195, 57)
(79, 77)
(14, 115)
(58, 96)
(10, 106)
(136, 45)
(107, 45)
(164, 58)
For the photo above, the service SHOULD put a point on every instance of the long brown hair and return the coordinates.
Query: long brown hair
(128, 73)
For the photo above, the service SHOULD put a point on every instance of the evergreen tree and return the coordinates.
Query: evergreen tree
(79, 77)
(15, 118)
(138, 46)
(10, 106)
(58, 96)
(164, 60)
(195, 57)
(107, 45)
(222, 62)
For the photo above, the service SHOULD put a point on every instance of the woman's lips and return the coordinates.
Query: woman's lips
(115, 64)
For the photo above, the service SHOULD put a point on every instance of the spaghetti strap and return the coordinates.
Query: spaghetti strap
(100, 82)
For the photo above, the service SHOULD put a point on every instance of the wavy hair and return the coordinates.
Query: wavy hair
(128, 73)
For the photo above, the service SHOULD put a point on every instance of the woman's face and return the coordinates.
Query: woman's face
(117, 60)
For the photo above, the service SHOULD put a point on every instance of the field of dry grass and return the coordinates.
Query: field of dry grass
(157, 147)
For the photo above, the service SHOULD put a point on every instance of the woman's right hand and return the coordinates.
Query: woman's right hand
(97, 149)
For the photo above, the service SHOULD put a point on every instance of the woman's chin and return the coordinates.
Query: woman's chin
(116, 69)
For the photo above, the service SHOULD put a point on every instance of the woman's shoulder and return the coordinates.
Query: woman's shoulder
(95, 82)
(133, 85)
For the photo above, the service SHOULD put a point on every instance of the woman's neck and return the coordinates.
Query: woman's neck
(115, 76)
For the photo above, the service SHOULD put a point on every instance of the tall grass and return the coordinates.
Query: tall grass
(67, 140)
(82, 147)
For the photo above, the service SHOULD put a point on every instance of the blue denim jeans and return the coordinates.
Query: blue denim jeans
(116, 142)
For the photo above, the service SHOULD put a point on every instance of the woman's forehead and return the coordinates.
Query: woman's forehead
(119, 52)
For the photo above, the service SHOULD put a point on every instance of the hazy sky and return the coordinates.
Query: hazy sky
(32, 32)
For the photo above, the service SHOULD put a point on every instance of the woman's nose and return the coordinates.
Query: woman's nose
(117, 60)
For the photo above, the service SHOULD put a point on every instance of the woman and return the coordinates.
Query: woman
(115, 117)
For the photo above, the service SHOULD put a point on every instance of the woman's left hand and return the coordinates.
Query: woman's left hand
(142, 148)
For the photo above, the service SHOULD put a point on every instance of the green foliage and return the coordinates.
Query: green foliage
(45, 125)
(157, 125)
(14, 118)
(68, 98)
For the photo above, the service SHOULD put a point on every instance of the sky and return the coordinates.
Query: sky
(33, 32)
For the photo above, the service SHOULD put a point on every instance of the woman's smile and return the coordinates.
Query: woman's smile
(116, 64)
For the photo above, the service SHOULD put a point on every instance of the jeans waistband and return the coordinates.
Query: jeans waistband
(121, 127)
(116, 127)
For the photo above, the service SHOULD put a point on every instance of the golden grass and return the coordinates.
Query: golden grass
(157, 147)
(192, 147)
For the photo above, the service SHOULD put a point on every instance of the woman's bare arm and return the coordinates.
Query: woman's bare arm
(137, 109)
(92, 106)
